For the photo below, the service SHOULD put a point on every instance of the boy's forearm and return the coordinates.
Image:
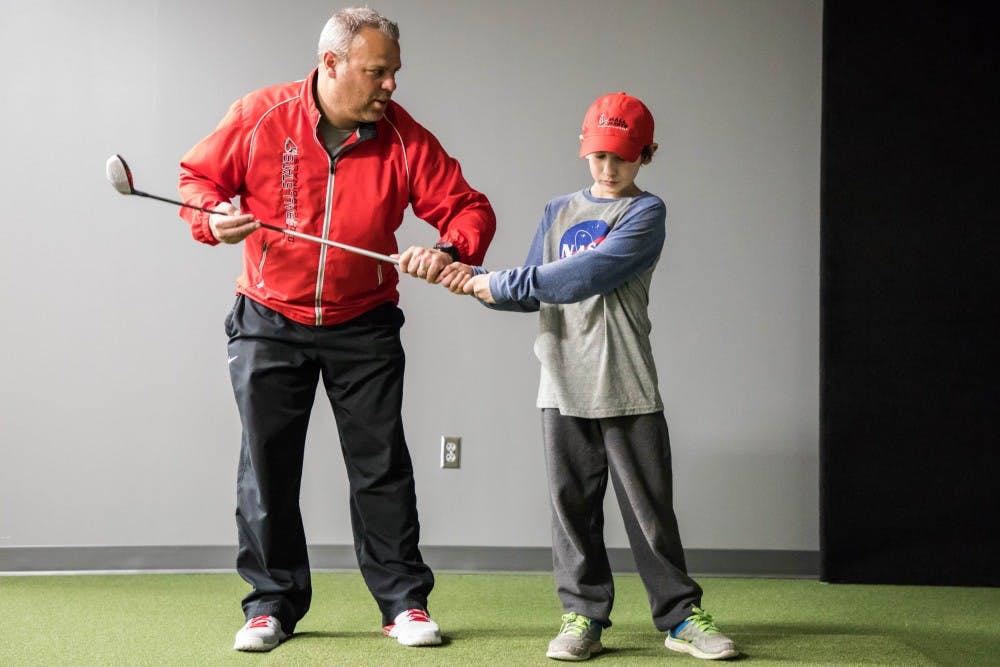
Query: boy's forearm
(503, 299)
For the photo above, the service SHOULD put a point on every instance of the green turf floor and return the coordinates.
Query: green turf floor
(486, 619)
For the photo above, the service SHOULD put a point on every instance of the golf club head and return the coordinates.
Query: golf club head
(120, 175)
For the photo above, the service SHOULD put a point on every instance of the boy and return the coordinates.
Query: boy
(588, 274)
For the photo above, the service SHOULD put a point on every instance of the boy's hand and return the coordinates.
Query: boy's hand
(479, 287)
(454, 276)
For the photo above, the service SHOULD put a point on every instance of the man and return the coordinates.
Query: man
(330, 156)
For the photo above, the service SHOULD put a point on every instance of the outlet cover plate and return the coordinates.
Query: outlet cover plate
(451, 451)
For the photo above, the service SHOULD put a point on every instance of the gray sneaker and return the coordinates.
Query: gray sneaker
(578, 639)
(698, 636)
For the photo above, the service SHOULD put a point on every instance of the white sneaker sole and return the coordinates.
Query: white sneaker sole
(572, 657)
(255, 645)
(684, 647)
(421, 639)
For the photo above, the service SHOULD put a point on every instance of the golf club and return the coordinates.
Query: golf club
(121, 179)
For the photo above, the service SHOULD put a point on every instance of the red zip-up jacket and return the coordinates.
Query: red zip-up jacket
(268, 152)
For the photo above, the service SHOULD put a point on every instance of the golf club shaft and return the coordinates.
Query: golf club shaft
(289, 232)
(335, 244)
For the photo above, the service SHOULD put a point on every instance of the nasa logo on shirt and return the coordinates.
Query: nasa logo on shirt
(582, 236)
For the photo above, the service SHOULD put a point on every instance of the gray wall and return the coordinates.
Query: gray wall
(117, 424)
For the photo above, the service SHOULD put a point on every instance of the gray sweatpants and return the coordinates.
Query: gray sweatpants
(579, 454)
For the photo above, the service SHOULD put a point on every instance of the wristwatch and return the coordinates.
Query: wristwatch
(449, 248)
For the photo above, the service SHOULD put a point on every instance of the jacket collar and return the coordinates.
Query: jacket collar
(308, 95)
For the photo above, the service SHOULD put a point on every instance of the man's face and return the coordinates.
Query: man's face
(362, 84)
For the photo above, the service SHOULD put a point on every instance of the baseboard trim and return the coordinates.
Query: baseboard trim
(702, 562)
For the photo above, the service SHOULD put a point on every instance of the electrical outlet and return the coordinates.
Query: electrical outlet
(451, 451)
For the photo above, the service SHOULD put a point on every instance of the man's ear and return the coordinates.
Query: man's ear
(581, 138)
(330, 62)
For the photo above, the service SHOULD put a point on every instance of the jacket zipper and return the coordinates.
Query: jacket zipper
(327, 217)
(321, 270)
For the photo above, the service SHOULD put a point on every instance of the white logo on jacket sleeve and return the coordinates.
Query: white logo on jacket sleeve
(290, 182)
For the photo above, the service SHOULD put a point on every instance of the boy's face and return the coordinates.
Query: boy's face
(613, 176)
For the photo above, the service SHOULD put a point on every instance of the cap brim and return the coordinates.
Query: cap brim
(603, 143)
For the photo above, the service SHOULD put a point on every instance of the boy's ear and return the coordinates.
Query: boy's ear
(652, 151)
(581, 138)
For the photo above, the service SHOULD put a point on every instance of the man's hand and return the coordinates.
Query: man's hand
(479, 287)
(424, 263)
(229, 226)
(454, 276)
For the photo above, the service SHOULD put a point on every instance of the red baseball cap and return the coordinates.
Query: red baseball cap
(617, 123)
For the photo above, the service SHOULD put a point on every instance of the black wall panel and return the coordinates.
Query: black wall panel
(910, 407)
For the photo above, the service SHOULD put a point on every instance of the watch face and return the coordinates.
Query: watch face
(448, 248)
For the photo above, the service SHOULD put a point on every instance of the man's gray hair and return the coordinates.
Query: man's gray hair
(340, 30)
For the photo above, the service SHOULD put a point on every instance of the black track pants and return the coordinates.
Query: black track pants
(635, 450)
(275, 365)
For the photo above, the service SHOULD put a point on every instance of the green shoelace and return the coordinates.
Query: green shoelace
(574, 625)
(702, 620)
